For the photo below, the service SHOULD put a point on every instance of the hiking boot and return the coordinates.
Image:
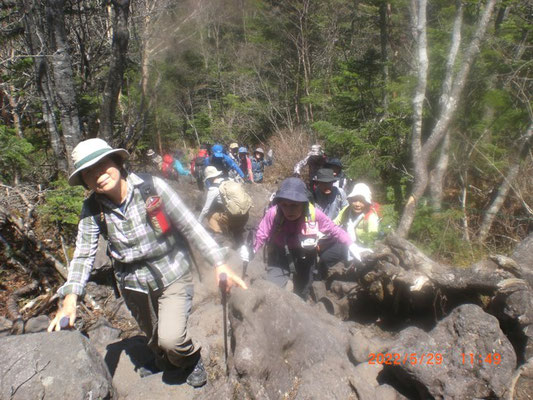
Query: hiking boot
(198, 376)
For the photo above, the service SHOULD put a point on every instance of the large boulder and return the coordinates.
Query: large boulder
(282, 346)
(59, 365)
(465, 356)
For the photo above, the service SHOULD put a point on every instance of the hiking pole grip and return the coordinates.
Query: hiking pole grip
(223, 284)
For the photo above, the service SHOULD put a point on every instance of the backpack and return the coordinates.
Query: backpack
(199, 166)
(168, 171)
(374, 208)
(236, 200)
(219, 163)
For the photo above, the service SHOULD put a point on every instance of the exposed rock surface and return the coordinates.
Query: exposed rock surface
(59, 365)
(285, 348)
(466, 356)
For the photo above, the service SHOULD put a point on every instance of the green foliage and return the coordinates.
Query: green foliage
(14, 154)
(62, 206)
(439, 234)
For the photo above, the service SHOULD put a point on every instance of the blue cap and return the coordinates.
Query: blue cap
(218, 150)
(243, 150)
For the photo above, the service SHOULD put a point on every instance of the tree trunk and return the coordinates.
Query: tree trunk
(34, 36)
(384, 37)
(436, 182)
(63, 77)
(421, 152)
(116, 69)
(505, 186)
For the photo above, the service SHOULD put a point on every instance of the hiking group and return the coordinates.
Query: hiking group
(149, 229)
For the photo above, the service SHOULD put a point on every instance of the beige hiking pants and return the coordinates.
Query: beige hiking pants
(163, 316)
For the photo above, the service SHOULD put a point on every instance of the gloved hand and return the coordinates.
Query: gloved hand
(356, 251)
(269, 153)
(244, 253)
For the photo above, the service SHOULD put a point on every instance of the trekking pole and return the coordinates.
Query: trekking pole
(223, 284)
(244, 268)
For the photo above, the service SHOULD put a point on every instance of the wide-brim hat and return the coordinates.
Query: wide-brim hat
(234, 145)
(292, 189)
(259, 150)
(324, 175)
(211, 172)
(88, 153)
(363, 191)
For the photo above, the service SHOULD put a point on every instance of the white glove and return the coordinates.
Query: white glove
(355, 251)
(269, 153)
(244, 253)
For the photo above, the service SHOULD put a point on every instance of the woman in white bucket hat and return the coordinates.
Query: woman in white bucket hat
(360, 218)
(150, 262)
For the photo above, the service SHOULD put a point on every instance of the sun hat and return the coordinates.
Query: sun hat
(88, 153)
(324, 175)
(234, 145)
(243, 150)
(218, 150)
(150, 153)
(360, 189)
(293, 189)
(259, 150)
(211, 172)
(316, 150)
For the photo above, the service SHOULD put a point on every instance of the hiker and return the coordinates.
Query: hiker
(315, 160)
(226, 216)
(150, 259)
(328, 198)
(155, 159)
(246, 165)
(198, 167)
(234, 152)
(172, 168)
(336, 165)
(259, 162)
(290, 229)
(360, 218)
(222, 162)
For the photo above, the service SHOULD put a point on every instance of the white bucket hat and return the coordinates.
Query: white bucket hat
(360, 189)
(88, 153)
(211, 172)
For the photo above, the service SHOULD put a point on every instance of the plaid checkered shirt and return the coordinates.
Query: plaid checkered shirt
(133, 242)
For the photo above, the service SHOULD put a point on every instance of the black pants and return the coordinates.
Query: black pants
(302, 263)
(330, 254)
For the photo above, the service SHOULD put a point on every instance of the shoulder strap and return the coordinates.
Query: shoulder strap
(147, 187)
(97, 213)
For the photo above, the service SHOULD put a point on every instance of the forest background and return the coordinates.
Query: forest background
(428, 103)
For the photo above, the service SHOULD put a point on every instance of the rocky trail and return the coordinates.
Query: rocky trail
(402, 326)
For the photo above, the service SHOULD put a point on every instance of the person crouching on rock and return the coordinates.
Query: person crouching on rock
(291, 229)
(146, 244)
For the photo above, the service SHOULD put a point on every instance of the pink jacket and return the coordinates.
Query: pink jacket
(289, 230)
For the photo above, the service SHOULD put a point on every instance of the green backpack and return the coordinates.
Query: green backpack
(235, 198)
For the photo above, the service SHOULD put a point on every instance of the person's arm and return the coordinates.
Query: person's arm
(250, 172)
(233, 165)
(264, 230)
(178, 166)
(327, 226)
(183, 220)
(344, 200)
(79, 269)
(300, 164)
(212, 194)
(373, 223)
